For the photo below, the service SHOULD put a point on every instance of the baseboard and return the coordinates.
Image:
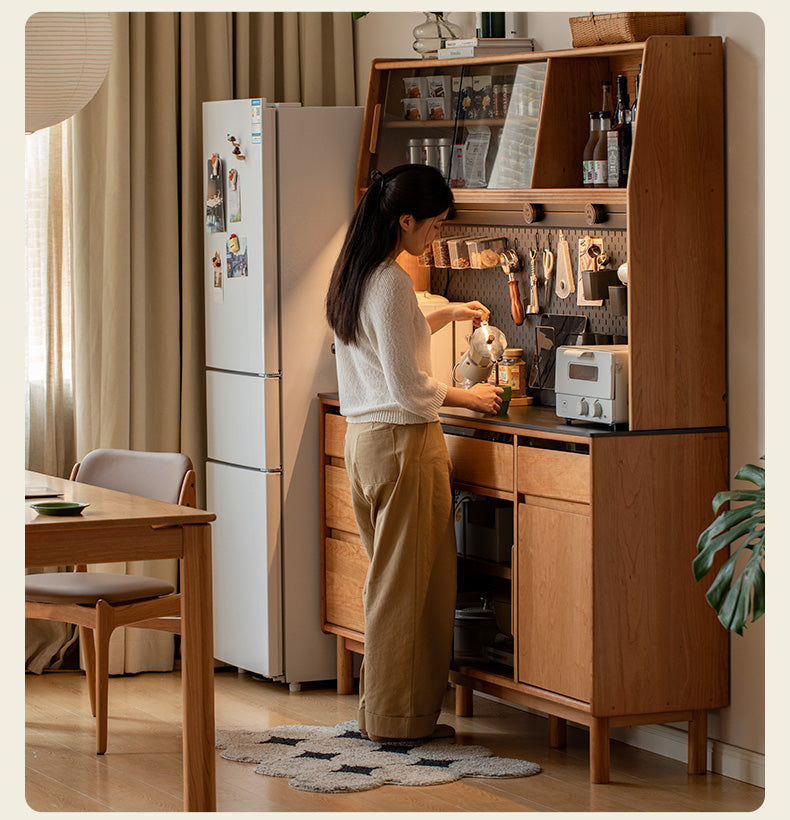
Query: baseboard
(669, 741)
(723, 758)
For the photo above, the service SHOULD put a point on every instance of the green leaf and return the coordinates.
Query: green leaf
(704, 560)
(753, 473)
(355, 15)
(758, 496)
(721, 583)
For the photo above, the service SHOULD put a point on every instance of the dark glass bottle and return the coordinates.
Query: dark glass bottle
(619, 138)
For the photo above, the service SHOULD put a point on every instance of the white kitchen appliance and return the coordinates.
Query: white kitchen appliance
(591, 383)
(286, 174)
(449, 342)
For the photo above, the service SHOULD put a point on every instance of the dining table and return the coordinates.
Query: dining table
(116, 526)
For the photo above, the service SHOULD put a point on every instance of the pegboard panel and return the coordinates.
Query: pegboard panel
(491, 288)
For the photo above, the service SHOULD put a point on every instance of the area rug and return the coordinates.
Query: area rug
(339, 759)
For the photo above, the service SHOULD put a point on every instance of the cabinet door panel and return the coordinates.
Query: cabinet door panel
(334, 435)
(554, 637)
(554, 474)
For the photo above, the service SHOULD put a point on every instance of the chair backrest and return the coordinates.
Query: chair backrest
(160, 476)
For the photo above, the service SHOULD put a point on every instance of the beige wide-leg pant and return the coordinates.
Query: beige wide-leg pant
(400, 486)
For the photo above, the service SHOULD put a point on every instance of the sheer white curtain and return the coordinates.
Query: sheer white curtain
(49, 398)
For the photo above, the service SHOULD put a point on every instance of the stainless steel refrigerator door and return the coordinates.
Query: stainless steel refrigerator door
(243, 419)
(242, 315)
(246, 560)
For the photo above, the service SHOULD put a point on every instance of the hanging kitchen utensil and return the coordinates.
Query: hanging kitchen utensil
(548, 269)
(534, 305)
(590, 249)
(564, 284)
(509, 262)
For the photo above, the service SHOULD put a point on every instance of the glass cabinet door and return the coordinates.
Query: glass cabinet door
(477, 123)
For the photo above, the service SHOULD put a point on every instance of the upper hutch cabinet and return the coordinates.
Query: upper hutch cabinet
(528, 113)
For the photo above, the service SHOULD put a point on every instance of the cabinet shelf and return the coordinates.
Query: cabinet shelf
(447, 123)
(490, 568)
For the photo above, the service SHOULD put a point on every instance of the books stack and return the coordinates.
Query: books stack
(484, 47)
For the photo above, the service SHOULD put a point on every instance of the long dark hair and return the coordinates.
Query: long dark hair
(419, 190)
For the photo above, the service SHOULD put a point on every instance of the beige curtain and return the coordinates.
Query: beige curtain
(138, 225)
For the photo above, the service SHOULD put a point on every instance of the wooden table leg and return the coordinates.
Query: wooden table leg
(197, 670)
(463, 700)
(345, 668)
(557, 732)
(698, 742)
(599, 750)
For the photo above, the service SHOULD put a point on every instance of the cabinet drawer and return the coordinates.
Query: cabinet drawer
(554, 474)
(334, 434)
(480, 462)
(338, 513)
(346, 565)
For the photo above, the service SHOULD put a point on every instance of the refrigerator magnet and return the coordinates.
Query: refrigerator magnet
(237, 259)
(215, 208)
(236, 147)
(217, 291)
(234, 196)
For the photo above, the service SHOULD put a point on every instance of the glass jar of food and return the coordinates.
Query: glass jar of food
(513, 370)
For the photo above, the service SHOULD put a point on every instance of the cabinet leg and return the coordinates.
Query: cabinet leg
(698, 742)
(557, 732)
(345, 668)
(463, 701)
(599, 750)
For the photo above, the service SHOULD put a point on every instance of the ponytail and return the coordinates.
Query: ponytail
(419, 190)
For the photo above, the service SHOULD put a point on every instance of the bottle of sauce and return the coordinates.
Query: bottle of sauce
(600, 159)
(512, 370)
(587, 156)
(619, 139)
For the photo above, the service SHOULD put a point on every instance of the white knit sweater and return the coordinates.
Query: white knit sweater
(386, 376)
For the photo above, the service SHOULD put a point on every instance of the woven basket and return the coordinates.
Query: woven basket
(625, 27)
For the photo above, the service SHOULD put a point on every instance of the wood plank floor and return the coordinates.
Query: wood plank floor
(142, 768)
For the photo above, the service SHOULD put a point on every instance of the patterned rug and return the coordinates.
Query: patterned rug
(340, 759)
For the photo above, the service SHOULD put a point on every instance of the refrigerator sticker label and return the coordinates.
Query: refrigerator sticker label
(234, 196)
(217, 290)
(256, 107)
(237, 256)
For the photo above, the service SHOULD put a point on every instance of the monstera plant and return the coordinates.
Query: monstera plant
(736, 597)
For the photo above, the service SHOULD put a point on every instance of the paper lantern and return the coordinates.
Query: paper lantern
(67, 56)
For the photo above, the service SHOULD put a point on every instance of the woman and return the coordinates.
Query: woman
(395, 452)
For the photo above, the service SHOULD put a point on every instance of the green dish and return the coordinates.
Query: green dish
(59, 507)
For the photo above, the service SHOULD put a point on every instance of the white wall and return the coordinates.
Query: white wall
(388, 34)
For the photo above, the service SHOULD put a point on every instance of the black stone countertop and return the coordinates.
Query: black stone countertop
(541, 419)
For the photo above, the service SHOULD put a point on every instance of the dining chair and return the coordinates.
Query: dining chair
(99, 602)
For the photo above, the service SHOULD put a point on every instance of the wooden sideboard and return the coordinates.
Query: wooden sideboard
(609, 626)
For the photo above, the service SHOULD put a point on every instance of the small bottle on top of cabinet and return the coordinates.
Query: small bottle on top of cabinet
(600, 157)
(587, 156)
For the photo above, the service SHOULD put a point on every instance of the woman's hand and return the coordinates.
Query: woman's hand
(485, 398)
(476, 311)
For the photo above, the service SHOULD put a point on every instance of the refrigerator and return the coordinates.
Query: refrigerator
(278, 183)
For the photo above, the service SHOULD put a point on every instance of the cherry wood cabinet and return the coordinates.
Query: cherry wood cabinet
(609, 626)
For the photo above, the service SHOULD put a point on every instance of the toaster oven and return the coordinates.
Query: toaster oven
(591, 383)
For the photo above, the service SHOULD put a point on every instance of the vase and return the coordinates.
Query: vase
(430, 35)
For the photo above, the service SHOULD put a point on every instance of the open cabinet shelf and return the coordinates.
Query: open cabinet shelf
(672, 208)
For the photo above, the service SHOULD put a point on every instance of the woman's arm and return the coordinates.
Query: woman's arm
(476, 311)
